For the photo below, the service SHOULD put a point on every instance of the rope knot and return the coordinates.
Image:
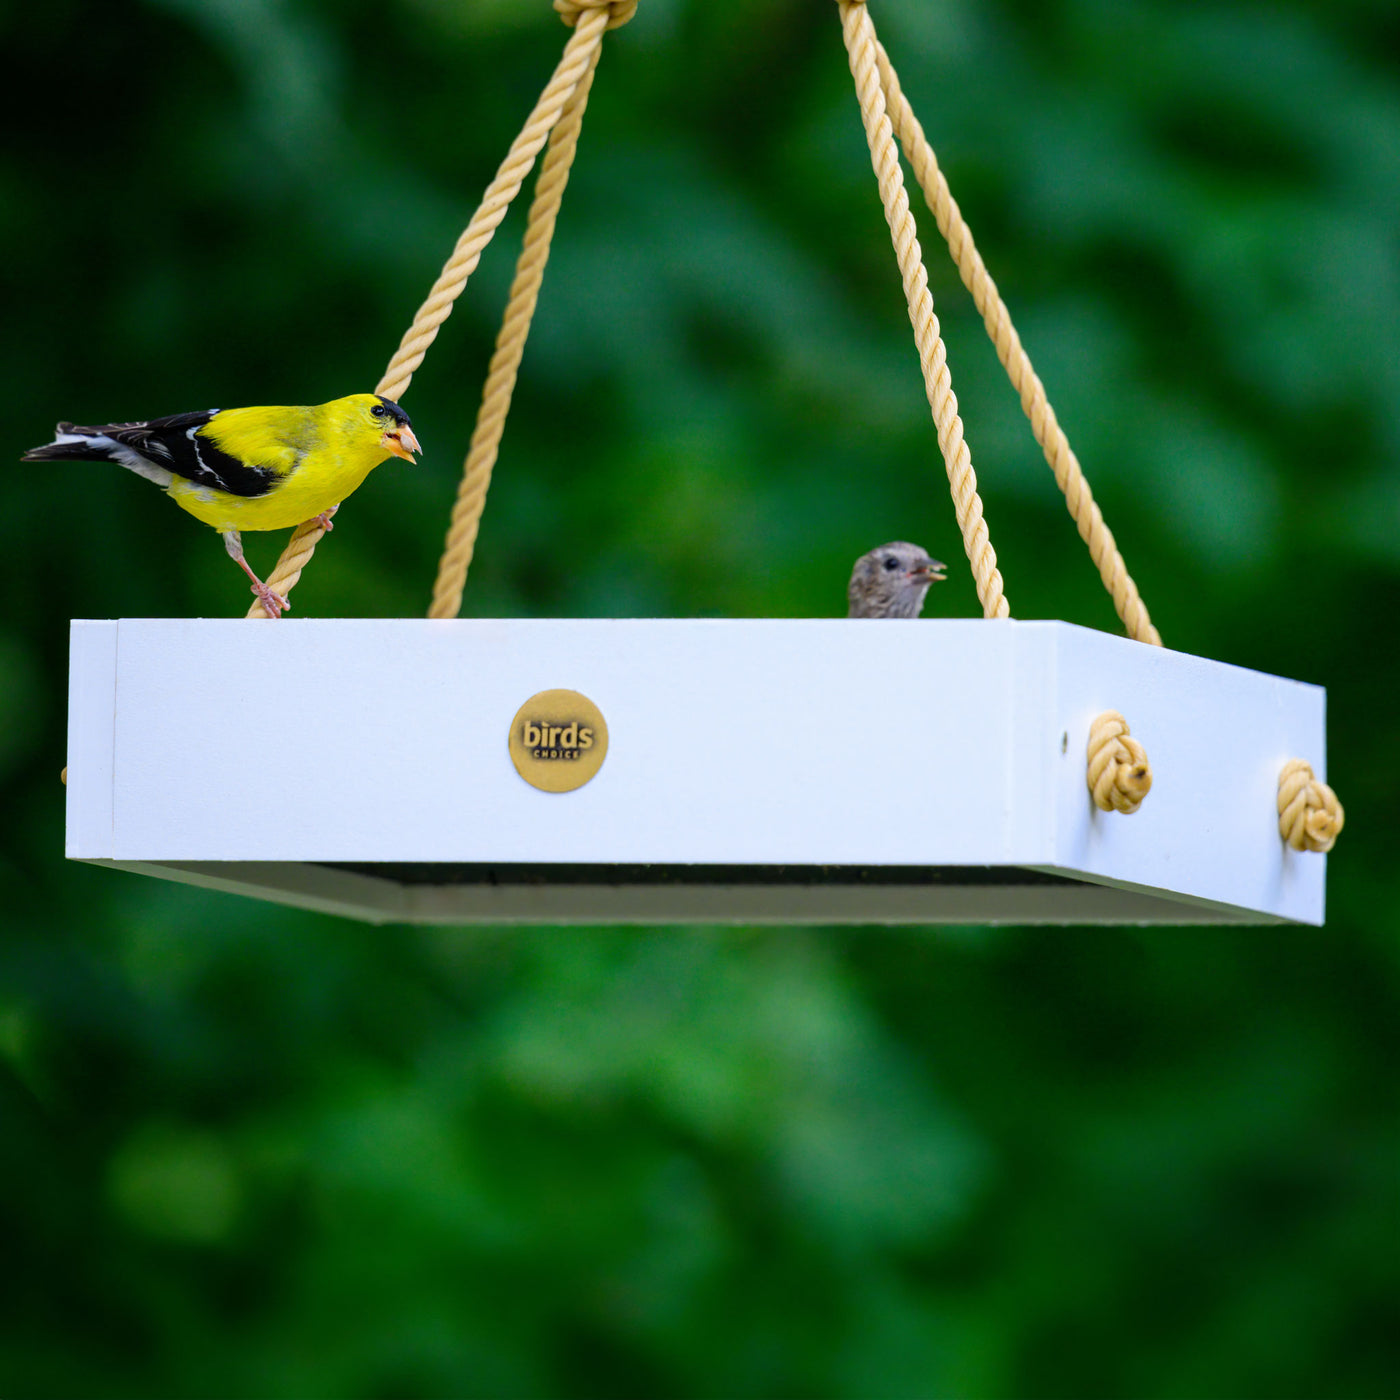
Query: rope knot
(1119, 773)
(619, 11)
(1309, 815)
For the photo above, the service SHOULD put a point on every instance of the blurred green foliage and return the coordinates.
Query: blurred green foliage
(251, 1152)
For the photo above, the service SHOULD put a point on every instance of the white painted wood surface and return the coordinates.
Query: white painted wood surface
(243, 755)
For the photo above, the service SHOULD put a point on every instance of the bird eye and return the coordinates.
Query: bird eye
(891, 563)
(378, 411)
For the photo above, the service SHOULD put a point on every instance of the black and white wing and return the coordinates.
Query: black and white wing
(160, 449)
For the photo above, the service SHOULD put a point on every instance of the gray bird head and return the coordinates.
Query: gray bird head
(891, 581)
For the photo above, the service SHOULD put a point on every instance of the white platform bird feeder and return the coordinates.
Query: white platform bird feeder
(651, 771)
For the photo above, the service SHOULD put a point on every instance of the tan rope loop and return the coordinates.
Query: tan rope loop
(1119, 773)
(510, 347)
(1309, 815)
(579, 55)
(861, 46)
(619, 11)
(1069, 476)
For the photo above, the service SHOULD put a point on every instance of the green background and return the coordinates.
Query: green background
(250, 1152)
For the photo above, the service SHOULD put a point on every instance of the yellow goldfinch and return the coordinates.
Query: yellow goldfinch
(251, 468)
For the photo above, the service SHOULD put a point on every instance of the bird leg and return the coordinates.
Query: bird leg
(324, 519)
(274, 603)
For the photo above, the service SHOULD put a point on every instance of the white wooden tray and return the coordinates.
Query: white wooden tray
(765, 771)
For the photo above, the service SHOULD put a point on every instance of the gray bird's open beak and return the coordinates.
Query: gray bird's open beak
(401, 442)
(932, 570)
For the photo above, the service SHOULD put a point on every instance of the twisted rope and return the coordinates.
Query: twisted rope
(590, 18)
(862, 47)
(1309, 815)
(618, 11)
(299, 549)
(1119, 773)
(510, 346)
(1069, 476)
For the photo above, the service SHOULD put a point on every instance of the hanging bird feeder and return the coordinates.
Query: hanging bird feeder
(453, 771)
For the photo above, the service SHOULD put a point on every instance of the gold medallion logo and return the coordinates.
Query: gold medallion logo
(558, 740)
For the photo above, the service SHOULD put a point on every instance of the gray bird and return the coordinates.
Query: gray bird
(891, 581)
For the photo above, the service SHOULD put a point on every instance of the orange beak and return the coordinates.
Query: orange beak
(401, 443)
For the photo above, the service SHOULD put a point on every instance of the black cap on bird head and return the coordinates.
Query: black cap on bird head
(891, 581)
(398, 431)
